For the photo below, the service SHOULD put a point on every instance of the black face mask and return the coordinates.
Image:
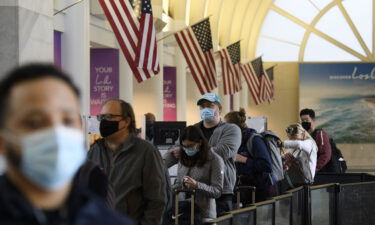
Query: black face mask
(306, 125)
(108, 127)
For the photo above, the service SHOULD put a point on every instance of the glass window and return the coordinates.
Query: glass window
(334, 24)
(318, 49)
(281, 36)
(280, 27)
(321, 4)
(361, 15)
(273, 50)
(302, 9)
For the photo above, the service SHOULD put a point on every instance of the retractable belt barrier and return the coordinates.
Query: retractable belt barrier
(331, 204)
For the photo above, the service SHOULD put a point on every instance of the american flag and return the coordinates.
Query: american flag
(196, 45)
(257, 69)
(269, 73)
(126, 27)
(230, 64)
(252, 81)
(147, 54)
(265, 83)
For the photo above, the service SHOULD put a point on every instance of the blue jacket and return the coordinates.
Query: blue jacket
(82, 208)
(258, 167)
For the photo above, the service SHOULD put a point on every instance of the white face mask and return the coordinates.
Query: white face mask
(207, 115)
(51, 157)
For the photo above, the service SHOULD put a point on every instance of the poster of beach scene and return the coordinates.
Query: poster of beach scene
(343, 97)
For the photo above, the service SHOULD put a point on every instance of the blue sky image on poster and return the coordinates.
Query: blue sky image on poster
(343, 97)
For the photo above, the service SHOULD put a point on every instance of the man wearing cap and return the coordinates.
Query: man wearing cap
(225, 139)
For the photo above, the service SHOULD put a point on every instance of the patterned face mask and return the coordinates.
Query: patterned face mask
(190, 151)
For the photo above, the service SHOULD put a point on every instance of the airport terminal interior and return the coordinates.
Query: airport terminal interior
(168, 60)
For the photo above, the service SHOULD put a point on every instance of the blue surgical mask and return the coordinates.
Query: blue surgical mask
(190, 151)
(208, 115)
(51, 157)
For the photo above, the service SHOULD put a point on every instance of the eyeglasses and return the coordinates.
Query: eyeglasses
(101, 117)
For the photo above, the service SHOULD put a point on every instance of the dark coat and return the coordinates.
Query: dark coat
(82, 208)
(259, 165)
(136, 172)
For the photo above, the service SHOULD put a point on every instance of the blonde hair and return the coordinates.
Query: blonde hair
(295, 129)
(237, 117)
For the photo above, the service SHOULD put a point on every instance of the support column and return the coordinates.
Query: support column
(193, 94)
(148, 95)
(236, 101)
(244, 99)
(181, 85)
(126, 80)
(26, 29)
(225, 101)
(159, 84)
(76, 49)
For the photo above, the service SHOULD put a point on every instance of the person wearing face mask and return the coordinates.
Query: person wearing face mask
(321, 138)
(43, 144)
(150, 120)
(199, 169)
(300, 145)
(133, 165)
(225, 139)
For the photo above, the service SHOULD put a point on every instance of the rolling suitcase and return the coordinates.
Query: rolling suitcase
(184, 208)
(248, 192)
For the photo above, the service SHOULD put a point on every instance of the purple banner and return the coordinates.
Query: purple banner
(57, 48)
(104, 81)
(169, 94)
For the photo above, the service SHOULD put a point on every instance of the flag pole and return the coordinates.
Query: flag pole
(183, 29)
(67, 7)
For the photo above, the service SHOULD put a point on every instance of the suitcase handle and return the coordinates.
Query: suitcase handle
(185, 190)
(192, 193)
(238, 194)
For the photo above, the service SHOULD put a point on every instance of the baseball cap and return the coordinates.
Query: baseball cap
(211, 97)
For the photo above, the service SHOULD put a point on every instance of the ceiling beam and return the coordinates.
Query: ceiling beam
(319, 33)
(355, 30)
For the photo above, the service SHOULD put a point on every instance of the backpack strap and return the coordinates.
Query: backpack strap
(249, 144)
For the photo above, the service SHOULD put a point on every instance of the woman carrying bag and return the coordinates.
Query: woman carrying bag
(199, 169)
(300, 157)
(253, 161)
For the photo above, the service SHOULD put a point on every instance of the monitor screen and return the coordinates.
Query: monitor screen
(167, 133)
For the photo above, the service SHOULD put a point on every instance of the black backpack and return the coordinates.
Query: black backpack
(337, 164)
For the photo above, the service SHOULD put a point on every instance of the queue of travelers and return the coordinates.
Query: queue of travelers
(51, 178)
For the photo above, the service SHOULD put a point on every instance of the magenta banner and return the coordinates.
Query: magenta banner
(57, 48)
(104, 81)
(169, 94)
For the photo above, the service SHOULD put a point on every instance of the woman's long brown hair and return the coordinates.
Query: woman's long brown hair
(194, 134)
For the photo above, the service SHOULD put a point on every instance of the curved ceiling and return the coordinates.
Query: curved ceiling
(233, 20)
(279, 30)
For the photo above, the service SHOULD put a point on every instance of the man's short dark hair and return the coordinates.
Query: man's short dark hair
(309, 112)
(27, 73)
(127, 112)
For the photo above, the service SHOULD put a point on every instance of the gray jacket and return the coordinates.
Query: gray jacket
(136, 172)
(225, 141)
(209, 179)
